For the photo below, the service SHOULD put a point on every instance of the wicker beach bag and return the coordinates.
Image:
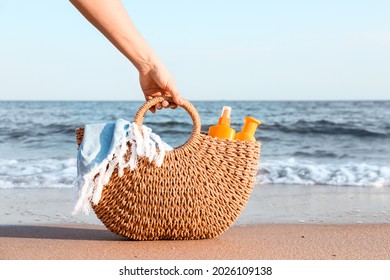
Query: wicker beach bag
(198, 192)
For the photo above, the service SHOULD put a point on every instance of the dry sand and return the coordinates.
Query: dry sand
(281, 242)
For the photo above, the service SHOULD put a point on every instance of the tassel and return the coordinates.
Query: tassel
(143, 144)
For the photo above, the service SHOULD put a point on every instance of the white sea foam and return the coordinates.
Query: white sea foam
(61, 173)
(292, 171)
(46, 173)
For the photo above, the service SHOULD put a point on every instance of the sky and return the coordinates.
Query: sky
(215, 50)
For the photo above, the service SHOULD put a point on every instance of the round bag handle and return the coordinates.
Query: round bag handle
(186, 105)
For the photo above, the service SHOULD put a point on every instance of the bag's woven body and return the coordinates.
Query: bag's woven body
(198, 192)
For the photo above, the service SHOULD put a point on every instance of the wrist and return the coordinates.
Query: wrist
(144, 59)
(146, 64)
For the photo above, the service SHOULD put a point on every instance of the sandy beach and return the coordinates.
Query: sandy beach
(282, 242)
(279, 222)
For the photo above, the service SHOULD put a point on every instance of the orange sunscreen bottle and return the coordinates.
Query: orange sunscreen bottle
(248, 130)
(223, 130)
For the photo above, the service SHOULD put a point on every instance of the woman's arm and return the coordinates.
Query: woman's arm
(110, 17)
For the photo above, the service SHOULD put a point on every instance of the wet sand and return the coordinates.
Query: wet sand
(268, 204)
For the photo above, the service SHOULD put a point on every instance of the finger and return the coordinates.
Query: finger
(173, 105)
(159, 106)
(176, 97)
(149, 95)
(152, 109)
(158, 93)
(165, 104)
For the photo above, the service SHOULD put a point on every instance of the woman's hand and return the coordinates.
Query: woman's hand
(157, 82)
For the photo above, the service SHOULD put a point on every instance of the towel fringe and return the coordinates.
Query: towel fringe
(143, 144)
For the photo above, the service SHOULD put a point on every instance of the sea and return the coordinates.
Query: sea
(324, 143)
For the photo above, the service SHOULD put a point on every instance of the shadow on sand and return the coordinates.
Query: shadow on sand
(60, 232)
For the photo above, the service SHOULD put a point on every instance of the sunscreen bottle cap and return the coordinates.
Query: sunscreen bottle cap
(225, 116)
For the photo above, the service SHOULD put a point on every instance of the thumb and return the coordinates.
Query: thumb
(166, 82)
(176, 96)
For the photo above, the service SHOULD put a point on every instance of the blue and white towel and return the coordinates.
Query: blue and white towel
(103, 148)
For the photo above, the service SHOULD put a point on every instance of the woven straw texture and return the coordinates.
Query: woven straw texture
(198, 192)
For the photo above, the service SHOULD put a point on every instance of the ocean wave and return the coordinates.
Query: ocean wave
(37, 130)
(47, 173)
(319, 154)
(61, 173)
(60, 128)
(294, 172)
(168, 124)
(324, 127)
